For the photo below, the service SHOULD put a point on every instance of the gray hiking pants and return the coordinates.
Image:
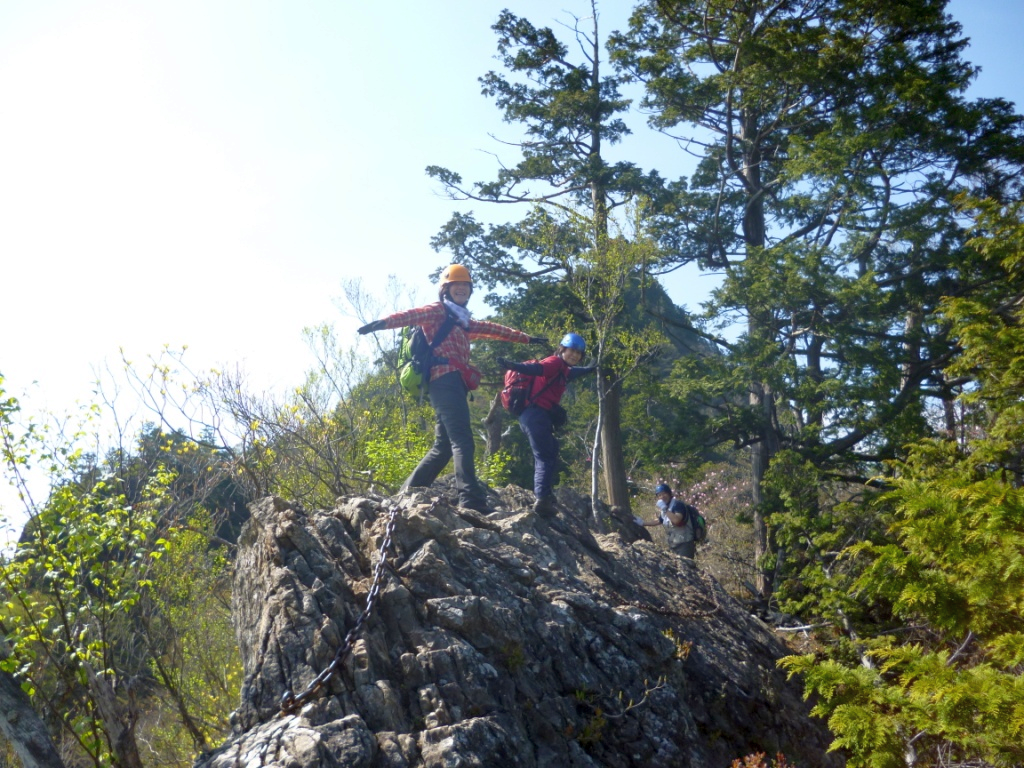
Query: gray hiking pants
(453, 439)
(686, 548)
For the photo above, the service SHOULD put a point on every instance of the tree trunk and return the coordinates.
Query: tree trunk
(761, 396)
(761, 455)
(23, 728)
(118, 721)
(952, 426)
(911, 346)
(816, 405)
(594, 460)
(494, 422)
(614, 464)
(198, 738)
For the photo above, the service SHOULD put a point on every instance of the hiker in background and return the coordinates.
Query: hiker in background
(678, 520)
(543, 413)
(451, 377)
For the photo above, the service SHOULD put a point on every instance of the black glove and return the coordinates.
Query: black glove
(538, 340)
(376, 325)
(504, 363)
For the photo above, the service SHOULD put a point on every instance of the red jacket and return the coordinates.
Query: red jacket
(548, 389)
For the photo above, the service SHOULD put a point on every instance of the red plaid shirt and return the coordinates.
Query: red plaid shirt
(456, 346)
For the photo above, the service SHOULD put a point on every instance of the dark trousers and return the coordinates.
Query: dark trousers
(536, 423)
(453, 439)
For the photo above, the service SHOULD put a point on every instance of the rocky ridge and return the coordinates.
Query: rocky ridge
(498, 640)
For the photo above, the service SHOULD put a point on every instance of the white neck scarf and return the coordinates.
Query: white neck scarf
(462, 316)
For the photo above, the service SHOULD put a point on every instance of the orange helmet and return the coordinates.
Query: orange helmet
(456, 273)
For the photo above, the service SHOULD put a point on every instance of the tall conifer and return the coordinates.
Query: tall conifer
(832, 137)
(569, 107)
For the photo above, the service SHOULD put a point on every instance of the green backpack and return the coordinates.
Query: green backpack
(700, 525)
(416, 357)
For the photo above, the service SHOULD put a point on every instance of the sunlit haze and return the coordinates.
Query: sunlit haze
(207, 173)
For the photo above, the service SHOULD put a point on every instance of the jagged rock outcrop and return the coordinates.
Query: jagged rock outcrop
(499, 640)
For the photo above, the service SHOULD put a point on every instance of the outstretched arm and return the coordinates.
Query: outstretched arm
(581, 370)
(405, 317)
(530, 369)
(376, 325)
(484, 329)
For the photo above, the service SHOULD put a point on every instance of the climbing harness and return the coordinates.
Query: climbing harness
(291, 702)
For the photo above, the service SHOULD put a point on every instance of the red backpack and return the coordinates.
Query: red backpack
(515, 397)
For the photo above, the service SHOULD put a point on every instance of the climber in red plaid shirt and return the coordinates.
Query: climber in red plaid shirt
(450, 381)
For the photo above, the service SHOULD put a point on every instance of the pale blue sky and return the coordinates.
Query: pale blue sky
(206, 172)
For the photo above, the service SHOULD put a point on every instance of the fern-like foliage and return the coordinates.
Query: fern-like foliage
(943, 683)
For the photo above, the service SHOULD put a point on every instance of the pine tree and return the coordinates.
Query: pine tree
(570, 109)
(833, 137)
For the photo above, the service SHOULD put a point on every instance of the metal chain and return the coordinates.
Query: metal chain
(291, 702)
(684, 611)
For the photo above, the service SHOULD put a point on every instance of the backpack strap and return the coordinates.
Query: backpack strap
(442, 334)
(682, 509)
(692, 517)
(531, 400)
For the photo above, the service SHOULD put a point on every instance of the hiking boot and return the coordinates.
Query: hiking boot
(476, 506)
(545, 506)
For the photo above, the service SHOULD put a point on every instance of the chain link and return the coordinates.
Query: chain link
(291, 702)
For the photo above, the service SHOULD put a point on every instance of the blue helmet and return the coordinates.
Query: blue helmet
(574, 341)
(662, 488)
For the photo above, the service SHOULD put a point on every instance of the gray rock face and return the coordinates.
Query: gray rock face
(505, 640)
